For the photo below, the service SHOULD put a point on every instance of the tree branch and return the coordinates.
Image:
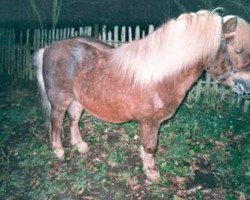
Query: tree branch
(34, 8)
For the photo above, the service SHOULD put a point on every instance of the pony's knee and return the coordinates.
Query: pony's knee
(75, 111)
(150, 145)
(150, 148)
(149, 137)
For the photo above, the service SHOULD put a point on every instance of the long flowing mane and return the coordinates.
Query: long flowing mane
(174, 46)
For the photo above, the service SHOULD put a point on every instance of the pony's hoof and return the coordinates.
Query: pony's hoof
(153, 175)
(59, 153)
(82, 147)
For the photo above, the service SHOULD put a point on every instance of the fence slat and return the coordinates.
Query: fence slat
(123, 34)
(137, 33)
(116, 29)
(104, 33)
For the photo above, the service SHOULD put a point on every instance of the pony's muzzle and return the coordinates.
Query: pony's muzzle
(242, 87)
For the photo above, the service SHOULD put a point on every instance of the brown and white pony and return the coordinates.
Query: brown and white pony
(144, 80)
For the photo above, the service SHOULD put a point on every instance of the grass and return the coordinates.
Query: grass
(203, 154)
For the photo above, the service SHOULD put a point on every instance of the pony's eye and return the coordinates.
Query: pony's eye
(238, 51)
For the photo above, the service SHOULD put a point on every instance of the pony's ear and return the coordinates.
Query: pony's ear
(229, 27)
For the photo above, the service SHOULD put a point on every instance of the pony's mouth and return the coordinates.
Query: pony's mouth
(242, 88)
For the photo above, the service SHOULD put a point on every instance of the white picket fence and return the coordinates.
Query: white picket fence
(17, 49)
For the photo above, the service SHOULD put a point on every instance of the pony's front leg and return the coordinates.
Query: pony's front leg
(149, 139)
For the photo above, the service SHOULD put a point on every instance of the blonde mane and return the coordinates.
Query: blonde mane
(177, 44)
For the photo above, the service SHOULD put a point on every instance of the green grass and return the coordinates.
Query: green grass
(205, 144)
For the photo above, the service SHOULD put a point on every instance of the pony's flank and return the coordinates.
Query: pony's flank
(180, 42)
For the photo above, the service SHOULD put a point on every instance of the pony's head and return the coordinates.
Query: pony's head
(232, 67)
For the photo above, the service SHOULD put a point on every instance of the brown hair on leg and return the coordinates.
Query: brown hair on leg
(149, 139)
(75, 112)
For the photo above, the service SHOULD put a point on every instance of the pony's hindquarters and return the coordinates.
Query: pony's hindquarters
(38, 62)
(57, 96)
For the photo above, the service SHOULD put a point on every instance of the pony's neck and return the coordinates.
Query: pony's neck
(177, 44)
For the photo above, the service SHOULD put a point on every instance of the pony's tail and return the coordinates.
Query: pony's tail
(38, 62)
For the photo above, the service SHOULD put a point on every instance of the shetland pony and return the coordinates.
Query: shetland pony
(144, 80)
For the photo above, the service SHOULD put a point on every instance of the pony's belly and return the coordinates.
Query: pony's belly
(108, 112)
(109, 116)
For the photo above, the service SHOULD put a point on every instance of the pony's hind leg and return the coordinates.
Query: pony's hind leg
(149, 138)
(57, 116)
(75, 112)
